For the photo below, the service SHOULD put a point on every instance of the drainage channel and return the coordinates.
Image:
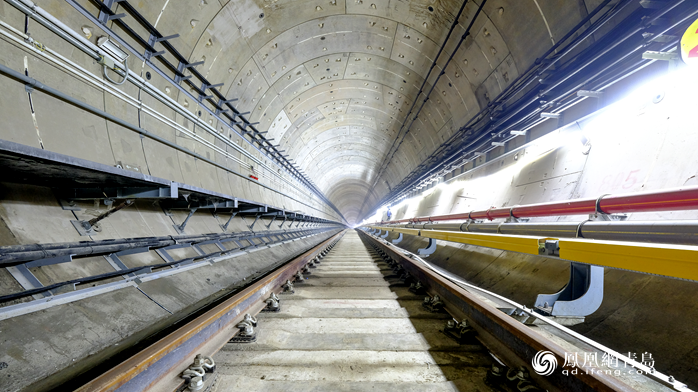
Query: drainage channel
(351, 324)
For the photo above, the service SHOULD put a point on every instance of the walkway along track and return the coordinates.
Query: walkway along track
(352, 324)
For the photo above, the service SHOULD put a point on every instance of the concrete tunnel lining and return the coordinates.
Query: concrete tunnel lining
(272, 45)
(332, 83)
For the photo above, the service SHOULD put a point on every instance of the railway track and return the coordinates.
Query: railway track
(352, 325)
(354, 319)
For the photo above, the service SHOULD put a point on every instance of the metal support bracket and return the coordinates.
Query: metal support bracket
(180, 228)
(68, 205)
(27, 280)
(600, 215)
(256, 218)
(385, 235)
(86, 228)
(398, 239)
(557, 116)
(431, 248)
(598, 95)
(510, 219)
(581, 296)
(225, 226)
(117, 264)
(282, 223)
(607, 217)
(273, 218)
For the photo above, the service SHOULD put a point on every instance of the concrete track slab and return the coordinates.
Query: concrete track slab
(345, 372)
(334, 357)
(351, 326)
(314, 280)
(257, 384)
(344, 292)
(333, 266)
(348, 274)
(338, 325)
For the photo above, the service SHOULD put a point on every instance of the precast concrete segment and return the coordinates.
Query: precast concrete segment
(351, 326)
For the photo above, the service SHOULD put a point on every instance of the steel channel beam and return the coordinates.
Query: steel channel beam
(168, 357)
(119, 193)
(515, 243)
(499, 332)
(676, 261)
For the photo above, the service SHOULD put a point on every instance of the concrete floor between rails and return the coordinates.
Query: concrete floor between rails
(350, 327)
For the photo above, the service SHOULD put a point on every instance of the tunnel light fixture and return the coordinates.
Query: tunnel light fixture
(550, 115)
(666, 56)
(499, 144)
(113, 56)
(518, 133)
(590, 94)
(112, 49)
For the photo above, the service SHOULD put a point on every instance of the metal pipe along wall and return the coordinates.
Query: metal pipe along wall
(667, 200)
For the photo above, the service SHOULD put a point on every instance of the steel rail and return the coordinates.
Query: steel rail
(498, 327)
(161, 363)
(499, 332)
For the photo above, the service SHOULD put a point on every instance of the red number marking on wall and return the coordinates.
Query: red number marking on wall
(631, 176)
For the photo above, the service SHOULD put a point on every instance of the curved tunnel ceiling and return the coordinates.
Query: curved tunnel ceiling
(332, 81)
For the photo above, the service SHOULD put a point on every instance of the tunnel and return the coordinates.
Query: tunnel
(349, 195)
